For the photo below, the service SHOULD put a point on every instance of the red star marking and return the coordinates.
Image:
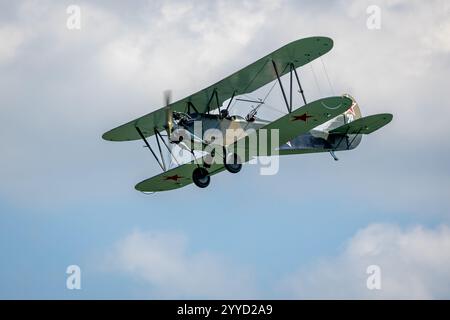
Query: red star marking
(304, 117)
(173, 178)
(352, 109)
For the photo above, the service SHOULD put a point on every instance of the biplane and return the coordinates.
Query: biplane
(326, 125)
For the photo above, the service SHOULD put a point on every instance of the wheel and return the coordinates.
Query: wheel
(233, 163)
(201, 177)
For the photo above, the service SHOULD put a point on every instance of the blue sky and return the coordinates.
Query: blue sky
(67, 197)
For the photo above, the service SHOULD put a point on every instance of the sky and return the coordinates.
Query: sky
(311, 231)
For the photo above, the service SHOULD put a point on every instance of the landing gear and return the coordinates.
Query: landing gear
(201, 177)
(233, 163)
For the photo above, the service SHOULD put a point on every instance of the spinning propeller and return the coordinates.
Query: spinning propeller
(169, 112)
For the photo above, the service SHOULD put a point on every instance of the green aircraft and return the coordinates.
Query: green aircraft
(202, 124)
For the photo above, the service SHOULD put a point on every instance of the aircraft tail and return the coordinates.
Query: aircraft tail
(352, 114)
(343, 132)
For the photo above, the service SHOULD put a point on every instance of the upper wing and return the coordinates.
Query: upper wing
(299, 121)
(244, 81)
(364, 125)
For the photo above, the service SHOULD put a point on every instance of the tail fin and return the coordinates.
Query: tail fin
(352, 114)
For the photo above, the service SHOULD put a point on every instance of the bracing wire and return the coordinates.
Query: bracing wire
(328, 78)
(275, 109)
(264, 100)
(315, 79)
(269, 92)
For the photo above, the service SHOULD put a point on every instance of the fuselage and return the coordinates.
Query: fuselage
(213, 128)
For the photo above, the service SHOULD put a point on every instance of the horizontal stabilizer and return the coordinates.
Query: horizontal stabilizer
(364, 125)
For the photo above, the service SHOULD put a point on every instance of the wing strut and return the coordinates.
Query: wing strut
(232, 97)
(191, 105)
(150, 148)
(291, 69)
(208, 109)
(160, 151)
(298, 81)
(158, 136)
(281, 86)
(290, 86)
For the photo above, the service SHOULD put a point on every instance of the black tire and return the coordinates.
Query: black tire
(201, 177)
(233, 163)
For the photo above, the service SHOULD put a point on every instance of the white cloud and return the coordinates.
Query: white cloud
(414, 264)
(165, 263)
(11, 38)
(174, 11)
(181, 45)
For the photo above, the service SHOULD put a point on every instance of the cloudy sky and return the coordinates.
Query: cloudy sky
(311, 231)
